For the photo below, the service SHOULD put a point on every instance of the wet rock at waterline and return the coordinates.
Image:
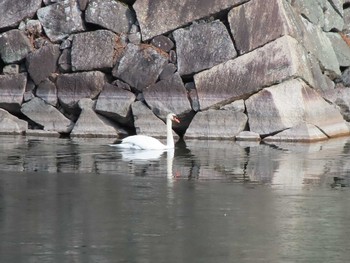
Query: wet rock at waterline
(47, 91)
(46, 116)
(216, 124)
(10, 124)
(289, 104)
(12, 88)
(91, 124)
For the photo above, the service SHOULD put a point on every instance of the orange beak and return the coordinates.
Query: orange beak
(176, 119)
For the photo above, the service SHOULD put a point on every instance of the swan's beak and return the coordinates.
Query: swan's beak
(176, 119)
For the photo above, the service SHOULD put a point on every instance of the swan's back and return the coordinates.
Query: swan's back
(142, 142)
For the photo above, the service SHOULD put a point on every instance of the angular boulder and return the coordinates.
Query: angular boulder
(110, 14)
(13, 12)
(73, 87)
(90, 124)
(115, 103)
(216, 124)
(10, 124)
(312, 10)
(14, 46)
(289, 104)
(303, 132)
(61, 19)
(341, 98)
(163, 42)
(46, 116)
(87, 52)
(12, 88)
(281, 59)
(157, 17)
(140, 66)
(43, 62)
(202, 46)
(341, 48)
(47, 91)
(146, 122)
(168, 96)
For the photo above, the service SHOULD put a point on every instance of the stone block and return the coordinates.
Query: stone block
(115, 103)
(43, 62)
(202, 46)
(110, 14)
(163, 42)
(47, 91)
(13, 12)
(10, 124)
(46, 116)
(73, 87)
(216, 124)
(235, 79)
(341, 48)
(61, 19)
(289, 104)
(93, 50)
(12, 88)
(168, 96)
(140, 66)
(157, 17)
(14, 46)
(91, 124)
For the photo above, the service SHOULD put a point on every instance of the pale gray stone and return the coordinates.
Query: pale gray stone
(43, 62)
(290, 103)
(73, 87)
(333, 20)
(12, 88)
(239, 78)
(140, 66)
(13, 12)
(237, 106)
(87, 54)
(167, 96)
(216, 124)
(110, 14)
(248, 136)
(11, 69)
(61, 19)
(303, 132)
(157, 17)
(10, 124)
(46, 116)
(202, 46)
(115, 103)
(341, 48)
(312, 10)
(47, 91)
(341, 98)
(91, 124)
(14, 46)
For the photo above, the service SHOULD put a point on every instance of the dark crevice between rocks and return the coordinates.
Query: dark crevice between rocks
(346, 5)
(272, 133)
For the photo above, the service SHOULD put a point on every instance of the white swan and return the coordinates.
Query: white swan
(144, 142)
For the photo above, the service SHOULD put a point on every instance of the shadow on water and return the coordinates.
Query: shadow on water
(83, 201)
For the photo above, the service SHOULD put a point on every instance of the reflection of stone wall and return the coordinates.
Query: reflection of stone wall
(219, 65)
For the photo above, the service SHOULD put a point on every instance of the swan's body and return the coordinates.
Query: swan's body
(144, 142)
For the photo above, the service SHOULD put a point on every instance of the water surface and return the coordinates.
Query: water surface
(65, 200)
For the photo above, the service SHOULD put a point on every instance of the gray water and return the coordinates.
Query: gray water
(67, 200)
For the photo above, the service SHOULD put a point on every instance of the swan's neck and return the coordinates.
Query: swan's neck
(169, 135)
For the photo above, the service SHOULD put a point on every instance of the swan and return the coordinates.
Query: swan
(144, 142)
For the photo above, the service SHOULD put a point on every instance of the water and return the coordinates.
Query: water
(67, 200)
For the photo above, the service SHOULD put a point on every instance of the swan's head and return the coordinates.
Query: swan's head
(173, 117)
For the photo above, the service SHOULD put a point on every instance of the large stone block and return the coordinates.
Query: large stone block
(239, 78)
(10, 124)
(13, 12)
(115, 103)
(12, 88)
(93, 50)
(73, 87)
(43, 62)
(202, 46)
(47, 91)
(140, 66)
(160, 16)
(61, 19)
(288, 105)
(341, 48)
(14, 46)
(110, 14)
(216, 124)
(90, 124)
(46, 116)
(167, 96)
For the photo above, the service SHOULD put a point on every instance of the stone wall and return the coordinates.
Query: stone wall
(230, 69)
